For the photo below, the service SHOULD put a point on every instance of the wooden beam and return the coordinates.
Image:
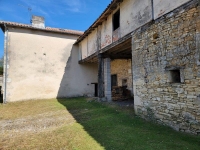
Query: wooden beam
(118, 56)
(120, 41)
(100, 76)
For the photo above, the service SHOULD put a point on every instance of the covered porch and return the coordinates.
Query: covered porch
(115, 81)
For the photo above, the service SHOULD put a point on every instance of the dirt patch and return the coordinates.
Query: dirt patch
(34, 124)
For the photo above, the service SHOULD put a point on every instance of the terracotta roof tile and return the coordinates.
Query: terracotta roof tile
(49, 29)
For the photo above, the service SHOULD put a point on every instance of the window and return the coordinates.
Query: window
(113, 80)
(116, 20)
(175, 76)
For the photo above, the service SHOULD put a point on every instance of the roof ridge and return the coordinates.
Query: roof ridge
(49, 29)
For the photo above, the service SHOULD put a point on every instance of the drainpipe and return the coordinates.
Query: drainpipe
(152, 9)
(5, 64)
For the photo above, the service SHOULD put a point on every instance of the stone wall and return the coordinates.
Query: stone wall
(168, 44)
(122, 68)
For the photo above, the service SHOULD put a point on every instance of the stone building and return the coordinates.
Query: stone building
(162, 40)
(42, 63)
(149, 47)
(166, 69)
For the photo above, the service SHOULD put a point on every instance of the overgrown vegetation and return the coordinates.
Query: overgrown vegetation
(1, 70)
(1, 65)
(78, 124)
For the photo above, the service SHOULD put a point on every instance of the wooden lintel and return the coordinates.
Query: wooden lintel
(119, 56)
(100, 76)
(113, 7)
(120, 1)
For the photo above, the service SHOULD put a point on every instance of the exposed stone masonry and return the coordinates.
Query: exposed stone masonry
(170, 43)
(122, 68)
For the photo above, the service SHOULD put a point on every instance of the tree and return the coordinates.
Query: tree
(1, 65)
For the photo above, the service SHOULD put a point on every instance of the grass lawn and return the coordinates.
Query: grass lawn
(78, 124)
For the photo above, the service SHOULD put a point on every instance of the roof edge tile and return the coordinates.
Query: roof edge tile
(48, 29)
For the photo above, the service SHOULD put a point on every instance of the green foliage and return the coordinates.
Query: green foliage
(1, 61)
(1, 70)
(1, 65)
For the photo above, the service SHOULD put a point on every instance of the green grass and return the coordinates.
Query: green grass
(91, 125)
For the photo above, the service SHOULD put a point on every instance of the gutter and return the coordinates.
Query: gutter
(5, 65)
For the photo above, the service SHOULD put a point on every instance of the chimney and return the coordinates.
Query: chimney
(38, 22)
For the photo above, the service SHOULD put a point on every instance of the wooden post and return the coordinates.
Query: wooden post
(100, 76)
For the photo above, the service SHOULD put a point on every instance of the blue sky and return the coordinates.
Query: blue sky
(67, 14)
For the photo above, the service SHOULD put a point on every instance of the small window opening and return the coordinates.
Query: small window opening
(175, 76)
(116, 20)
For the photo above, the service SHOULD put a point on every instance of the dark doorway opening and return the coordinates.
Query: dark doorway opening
(1, 96)
(95, 89)
(113, 80)
(116, 20)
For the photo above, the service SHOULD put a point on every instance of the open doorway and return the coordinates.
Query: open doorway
(121, 80)
(120, 71)
(113, 81)
(95, 89)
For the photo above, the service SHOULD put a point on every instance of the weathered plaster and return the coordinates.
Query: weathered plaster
(162, 7)
(84, 48)
(134, 13)
(77, 78)
(106, 32)
(40, 63)
(92, 42)
(80, 51)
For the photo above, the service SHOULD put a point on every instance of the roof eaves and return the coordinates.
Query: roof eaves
(2, 27)
(48, 29)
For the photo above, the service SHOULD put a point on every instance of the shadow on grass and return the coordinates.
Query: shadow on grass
(115, 128)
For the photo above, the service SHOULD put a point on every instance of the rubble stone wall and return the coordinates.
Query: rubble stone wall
(168, 44)
(122, 68)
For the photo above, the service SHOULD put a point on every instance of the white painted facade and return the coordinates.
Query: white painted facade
(84, 48)
(106, 32)
(43, 65)
(134, 13)
(162, 7)
(92, 42)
